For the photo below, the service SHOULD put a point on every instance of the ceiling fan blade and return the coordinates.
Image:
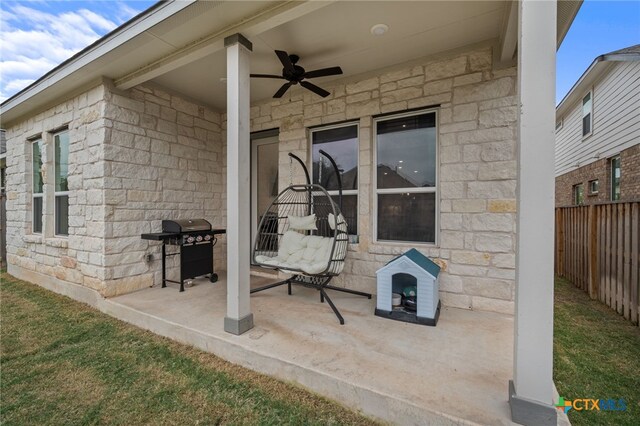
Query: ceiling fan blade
(315, 89)
(286, 61)
(267, 76)
(282, 90)
(325, 72)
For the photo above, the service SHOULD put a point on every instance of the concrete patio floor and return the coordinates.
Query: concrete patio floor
(454, 373)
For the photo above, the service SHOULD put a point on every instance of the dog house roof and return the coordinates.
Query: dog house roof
(419, 259)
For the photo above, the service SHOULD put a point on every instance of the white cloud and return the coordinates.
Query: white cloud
(35, 41)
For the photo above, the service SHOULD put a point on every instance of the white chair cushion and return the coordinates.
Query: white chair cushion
(303, 223)
(308, 253)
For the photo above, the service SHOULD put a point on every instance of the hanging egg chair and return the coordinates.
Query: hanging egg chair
(303, 233)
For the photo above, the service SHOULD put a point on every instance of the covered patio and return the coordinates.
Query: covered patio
(455, 373)
(172, 123)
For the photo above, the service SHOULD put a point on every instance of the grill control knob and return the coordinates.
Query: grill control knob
(199, 238)
(207, 237)
(190, 239)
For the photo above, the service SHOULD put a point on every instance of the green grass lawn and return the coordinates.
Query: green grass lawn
(64, 363)
(597, 355)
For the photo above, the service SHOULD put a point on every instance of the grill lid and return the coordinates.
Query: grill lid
(185, 225)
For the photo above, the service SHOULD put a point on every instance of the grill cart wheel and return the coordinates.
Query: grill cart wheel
(213, 278)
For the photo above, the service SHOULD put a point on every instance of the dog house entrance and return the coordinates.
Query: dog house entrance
(404, 293)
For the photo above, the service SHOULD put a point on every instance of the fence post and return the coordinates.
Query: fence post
(593, 252)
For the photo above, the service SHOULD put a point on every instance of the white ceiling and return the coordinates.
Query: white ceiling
(339, 35)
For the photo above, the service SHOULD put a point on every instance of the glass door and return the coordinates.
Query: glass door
(264, 177)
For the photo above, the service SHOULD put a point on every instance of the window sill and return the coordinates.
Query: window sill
(32, 238)
(405, 244)
(57, 241)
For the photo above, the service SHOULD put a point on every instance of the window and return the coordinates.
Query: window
(594, 185)
(587, 114)
(61, 172)
(615, 178)
(578, 194)
(406, 162)
(37, 148)
(341, 143)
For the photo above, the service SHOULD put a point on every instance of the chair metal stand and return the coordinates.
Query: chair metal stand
(318, 283)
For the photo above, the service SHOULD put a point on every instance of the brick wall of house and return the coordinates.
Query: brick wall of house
(601, 170)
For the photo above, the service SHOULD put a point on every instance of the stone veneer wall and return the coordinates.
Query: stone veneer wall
(135, 158)
(163, 160)
(477, 175)
(77, 258)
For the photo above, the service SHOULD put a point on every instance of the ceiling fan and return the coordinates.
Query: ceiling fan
(295, 74)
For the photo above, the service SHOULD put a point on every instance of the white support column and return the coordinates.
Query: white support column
(531, 391)
(239, 317)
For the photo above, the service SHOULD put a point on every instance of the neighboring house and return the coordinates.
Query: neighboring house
(598, 133)
(433, 119)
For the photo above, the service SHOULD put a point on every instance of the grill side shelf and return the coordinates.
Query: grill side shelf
(159, 236)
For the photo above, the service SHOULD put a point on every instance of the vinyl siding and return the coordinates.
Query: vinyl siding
(616, 120)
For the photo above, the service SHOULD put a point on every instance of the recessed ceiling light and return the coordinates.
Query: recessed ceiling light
(379, 29)
(401, 161)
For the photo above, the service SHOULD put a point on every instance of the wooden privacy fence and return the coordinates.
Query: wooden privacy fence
(597, 248)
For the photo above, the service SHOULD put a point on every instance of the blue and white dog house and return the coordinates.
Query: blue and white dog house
(409, 270)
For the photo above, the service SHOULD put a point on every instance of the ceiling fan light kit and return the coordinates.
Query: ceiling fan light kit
(295, 74)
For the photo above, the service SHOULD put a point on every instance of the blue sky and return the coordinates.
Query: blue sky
(37, 35)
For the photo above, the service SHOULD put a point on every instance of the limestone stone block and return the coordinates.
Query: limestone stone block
(467, 79)
(362, 86)
(498, 151)
(284, 110)
(395, 75)
(504, 116)
(488, 287)
(438, 86)
(504, 260)
(451, 221)
(468, 206)
(480, 60)
(493, 305)
(363, 108)
(470, 258)
(458, 127)
(450, 154)
(465, 112)
(403, 94)
(412, 81)
(494, 242)
(455, 300)
(358, 97)
(503, 222)
(502, 206)
(445, 68)
(492, 189)
(482, 91)
(498, 170)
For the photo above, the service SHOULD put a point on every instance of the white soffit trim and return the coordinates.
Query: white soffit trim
(119, 36)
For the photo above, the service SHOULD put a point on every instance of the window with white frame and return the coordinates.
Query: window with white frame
(616, 173)
(341, 143)
(587, 114)
(406, 178)
(61, 172)
(594, 186)
(37, 148)
(578, 194)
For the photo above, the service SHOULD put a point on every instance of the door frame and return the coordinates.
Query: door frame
(257, 138)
